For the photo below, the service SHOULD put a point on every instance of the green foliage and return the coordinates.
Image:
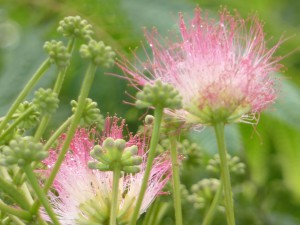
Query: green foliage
(270, 193)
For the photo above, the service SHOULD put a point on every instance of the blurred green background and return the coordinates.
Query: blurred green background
(269, 193)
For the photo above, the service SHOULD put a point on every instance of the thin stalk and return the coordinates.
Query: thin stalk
(14, 193)
(114, 200)
(57, 88)
(61, 76)
(16, 220)
(176, 180)
(47, 146)
(38, 74)
(219, 130)
(40, 193)
(57, 133)
(84, 91)
(158, 112)
(212, 209)
(20, 213)
(16, 122)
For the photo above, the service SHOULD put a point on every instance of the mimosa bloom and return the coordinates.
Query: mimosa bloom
(84, 195)
(222, 68)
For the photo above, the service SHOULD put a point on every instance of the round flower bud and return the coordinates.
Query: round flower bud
(74, 26)
(158, 95)
(23, 151)
(234, 163)
(91, 114)
(58, 53)
(31, 119)
(203, 193)
(46, 101)
(114, 154)
(98, 53)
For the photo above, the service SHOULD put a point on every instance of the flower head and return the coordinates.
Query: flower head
(84, 195)
(222, 69)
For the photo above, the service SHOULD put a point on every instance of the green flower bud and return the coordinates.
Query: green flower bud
(23, 151)
(158, 94)
(74, 26)
(203, 193)
(58, 53)
(91, 114)
(149, 120)
(234, 163)
(98, 53)
(46, 101)
(193, 155)
(114, 154)
(30, 120)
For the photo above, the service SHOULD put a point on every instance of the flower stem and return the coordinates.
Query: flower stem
(38, 74)
(114, 199)
(57, 133)
(176, 180)
(20, 213)
(47, 146)
(14, 193)
(40, 193)
(212, 209)
(16, 122)
(219, 130)
(84, 91)
(57, 87)
(158, 112)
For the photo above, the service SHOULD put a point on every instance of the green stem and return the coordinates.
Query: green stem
(40, 193)
(176, 180)
(158, 112)
(219, 130)
(16, 220)
(57, 133)
(38, 74)
(61, 76)
(150, 213)
(47, 146)
(114, 200)
(20, 213)
(17, 121)
(212, 209)
(57, 88)
(14, 193)
(84, 91)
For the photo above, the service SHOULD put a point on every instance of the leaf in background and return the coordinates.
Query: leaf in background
(18, 66)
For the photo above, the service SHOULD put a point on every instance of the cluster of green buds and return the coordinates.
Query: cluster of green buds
(46, 101)
(158, 95)
(234, 163)
(114, 154)
(192, 152)
(58, 53)
(91, 114)
(203, 193)
(22, 151)
(98, 53)
(31, 119)
(75, 26)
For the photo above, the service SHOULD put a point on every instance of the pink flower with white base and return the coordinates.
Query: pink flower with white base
(84, 195)
(221, 68)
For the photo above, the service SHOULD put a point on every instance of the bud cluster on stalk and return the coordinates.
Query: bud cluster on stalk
(158, 95)
(113, 154)
(23, 151)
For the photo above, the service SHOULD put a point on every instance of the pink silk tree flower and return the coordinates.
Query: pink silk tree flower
(83, 196)
(222, 68)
